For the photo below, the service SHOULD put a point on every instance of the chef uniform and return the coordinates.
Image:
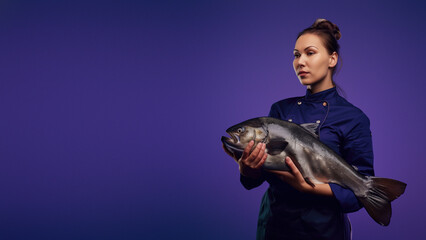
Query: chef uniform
(286, 213)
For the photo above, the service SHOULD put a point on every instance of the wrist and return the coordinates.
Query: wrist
(309, 189)
(250, 172)
(320, 189)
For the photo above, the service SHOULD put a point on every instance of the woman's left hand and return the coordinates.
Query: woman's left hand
(293, 177)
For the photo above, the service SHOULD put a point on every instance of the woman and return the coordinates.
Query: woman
(291, 208)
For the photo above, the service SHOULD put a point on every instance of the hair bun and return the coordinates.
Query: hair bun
(321, 23)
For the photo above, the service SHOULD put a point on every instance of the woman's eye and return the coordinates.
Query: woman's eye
(310, 53)
(296, 55)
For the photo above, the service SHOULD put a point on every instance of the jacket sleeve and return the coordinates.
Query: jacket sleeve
(250, 183)
(357, 151)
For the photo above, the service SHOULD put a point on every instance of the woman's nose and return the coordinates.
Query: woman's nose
(299, 62)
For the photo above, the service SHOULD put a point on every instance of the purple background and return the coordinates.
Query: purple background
(112, 111)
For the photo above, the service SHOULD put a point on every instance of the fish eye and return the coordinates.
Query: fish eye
(240, 130)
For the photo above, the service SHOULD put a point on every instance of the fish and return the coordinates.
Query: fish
(316, 161)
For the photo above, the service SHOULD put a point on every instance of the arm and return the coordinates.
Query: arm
(296, 180)
(250, 165)
(257, 178)
(357, 151)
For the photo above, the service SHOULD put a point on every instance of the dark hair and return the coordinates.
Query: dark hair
(329, 33)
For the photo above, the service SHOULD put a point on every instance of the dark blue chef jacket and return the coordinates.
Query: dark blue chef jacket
(286, 213)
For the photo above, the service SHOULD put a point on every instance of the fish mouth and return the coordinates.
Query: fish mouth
(232, 142)
(232, 146)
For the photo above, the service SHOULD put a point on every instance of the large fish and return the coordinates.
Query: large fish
(316, 162)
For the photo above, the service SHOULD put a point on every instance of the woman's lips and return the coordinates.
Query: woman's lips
(301, 73)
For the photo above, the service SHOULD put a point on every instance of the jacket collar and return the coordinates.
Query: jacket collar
(324, 95)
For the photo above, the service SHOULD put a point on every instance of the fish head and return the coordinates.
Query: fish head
(242, 133)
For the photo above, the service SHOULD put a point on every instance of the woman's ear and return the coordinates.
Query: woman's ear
(333, 60)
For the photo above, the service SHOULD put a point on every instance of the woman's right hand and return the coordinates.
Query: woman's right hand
(250, 164)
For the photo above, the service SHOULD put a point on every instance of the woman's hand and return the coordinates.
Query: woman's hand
(296, 180)
(250, 164)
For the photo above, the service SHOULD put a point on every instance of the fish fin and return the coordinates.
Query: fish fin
(355, 167)
(378, 199)
(276, 145)
(311, 128)
(308, 180)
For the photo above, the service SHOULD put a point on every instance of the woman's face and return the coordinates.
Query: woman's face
(312, 63)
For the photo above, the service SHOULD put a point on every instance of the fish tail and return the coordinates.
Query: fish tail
(377, 201)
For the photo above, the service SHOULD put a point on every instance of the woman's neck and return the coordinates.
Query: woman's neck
(320, 86)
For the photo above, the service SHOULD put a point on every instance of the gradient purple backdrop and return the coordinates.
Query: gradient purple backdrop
(112, 111)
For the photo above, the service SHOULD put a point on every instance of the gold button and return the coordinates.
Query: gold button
(324, 104)
(318, 121)
(299, 103)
